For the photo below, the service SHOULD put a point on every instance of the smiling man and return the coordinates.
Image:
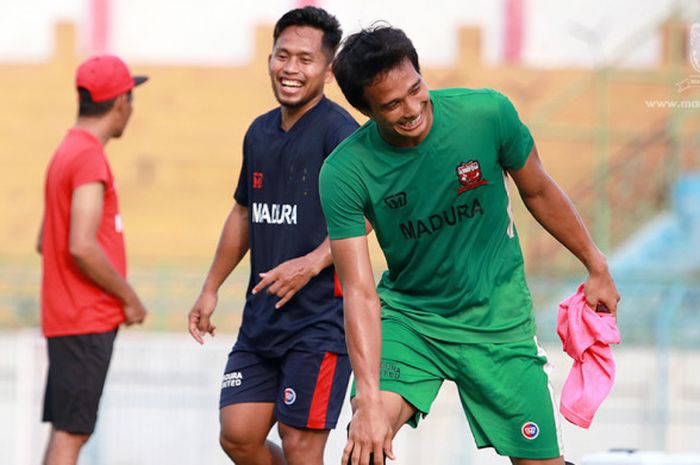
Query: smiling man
(428, 170)
(289, 365)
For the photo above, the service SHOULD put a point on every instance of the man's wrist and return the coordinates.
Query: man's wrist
(210, 286)
(368, 397)
(315, 262)
(597, 264)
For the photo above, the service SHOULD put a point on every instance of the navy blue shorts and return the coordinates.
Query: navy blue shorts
(307, 388)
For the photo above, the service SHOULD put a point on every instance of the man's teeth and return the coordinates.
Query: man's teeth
(288, 83)
(412, 122)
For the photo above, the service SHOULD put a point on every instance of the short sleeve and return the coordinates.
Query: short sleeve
(516, 140)
(90, 166)
(241, 193)
(342, 201)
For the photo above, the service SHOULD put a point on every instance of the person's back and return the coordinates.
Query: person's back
(84, 294)
(289, 364)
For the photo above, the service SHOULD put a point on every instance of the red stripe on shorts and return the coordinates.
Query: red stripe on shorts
(337, 287)
(322, 392)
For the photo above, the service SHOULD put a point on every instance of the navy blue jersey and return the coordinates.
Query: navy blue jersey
(279, 186)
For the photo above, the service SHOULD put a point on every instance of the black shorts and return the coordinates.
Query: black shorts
(77, 371)
(307, 388)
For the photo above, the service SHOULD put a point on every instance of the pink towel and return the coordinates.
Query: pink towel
(586, 336)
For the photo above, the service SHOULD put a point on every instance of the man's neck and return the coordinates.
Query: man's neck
(98, 127)
(290, 115)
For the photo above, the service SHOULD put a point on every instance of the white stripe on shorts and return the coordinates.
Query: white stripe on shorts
(547, 371)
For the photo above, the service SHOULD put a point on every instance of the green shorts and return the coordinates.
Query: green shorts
(504, 387)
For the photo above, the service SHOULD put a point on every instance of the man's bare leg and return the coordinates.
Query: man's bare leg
(302, 446)
(244, 430)
(63, 448)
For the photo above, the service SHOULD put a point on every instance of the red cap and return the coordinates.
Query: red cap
(106, 77)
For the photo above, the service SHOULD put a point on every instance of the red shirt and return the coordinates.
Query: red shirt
(71, 303)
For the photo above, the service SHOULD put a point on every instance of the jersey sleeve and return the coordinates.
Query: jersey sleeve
(516, 140)
(89, 167)
(342, 201)
(241, 193)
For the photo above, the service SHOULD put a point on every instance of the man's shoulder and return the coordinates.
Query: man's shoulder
(466, 93)
(266, 120)
(356, 142)
(78, 147)
(330, 121)
(482, 102)
(336, 112)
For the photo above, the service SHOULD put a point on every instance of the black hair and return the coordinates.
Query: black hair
(87, 107)
(317, 18)
(368, 55)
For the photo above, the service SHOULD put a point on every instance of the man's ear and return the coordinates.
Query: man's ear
(121, 101)
(121, 105)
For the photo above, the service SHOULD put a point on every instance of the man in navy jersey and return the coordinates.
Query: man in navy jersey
(289, 364)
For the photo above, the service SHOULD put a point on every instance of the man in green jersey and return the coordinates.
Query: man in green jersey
(428, 170)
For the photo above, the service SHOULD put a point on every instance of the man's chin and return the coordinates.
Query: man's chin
(292, 103)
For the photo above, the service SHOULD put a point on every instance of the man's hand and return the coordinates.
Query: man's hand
(199, 316)
(287, 278)
(600, 290)
(134, 311)
(370, 432)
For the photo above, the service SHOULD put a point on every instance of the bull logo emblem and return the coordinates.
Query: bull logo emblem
(469, 176)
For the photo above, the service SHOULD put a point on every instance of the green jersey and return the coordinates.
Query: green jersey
(441, 213)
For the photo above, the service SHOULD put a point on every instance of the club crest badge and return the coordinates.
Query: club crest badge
(469, 175)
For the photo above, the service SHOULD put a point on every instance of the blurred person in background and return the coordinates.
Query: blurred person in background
(289, 364)
(428, 170)
(84, 293)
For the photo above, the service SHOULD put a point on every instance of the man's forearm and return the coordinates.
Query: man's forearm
(363, 335)
(321, 257)
(557, 214)
(232, 247)
(92, 261)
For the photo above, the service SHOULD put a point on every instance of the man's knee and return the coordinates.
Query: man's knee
(303, 446)
(237, 447)
(244, 429)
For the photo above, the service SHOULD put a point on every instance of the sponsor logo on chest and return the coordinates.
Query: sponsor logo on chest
(274, 213)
